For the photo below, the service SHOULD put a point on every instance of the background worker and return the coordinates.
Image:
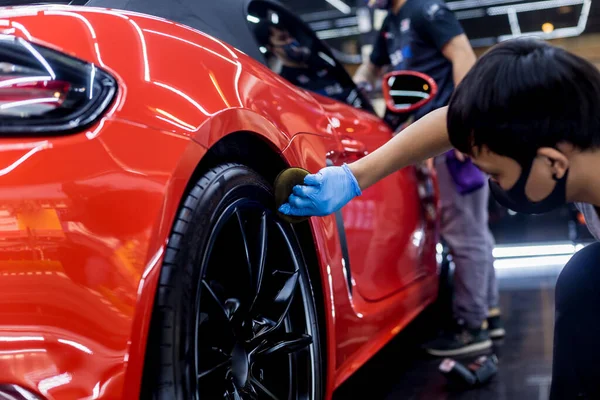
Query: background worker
(528, 114)
(298, 65)
(425, 36)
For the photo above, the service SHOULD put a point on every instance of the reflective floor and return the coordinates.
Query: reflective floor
(402, 371)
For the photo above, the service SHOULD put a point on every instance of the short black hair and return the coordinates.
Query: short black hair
(524, 94)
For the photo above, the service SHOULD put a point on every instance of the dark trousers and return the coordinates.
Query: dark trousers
(576, 365)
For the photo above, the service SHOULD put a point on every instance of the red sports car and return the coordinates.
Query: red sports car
(141, 254)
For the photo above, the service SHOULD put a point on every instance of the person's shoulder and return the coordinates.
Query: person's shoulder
(429, 9)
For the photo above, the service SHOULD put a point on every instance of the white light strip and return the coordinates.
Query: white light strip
(144, 50)
(336, 33)
(343, 22)
(327, 59)
(15, 81)
(470, 14)
(92, 76)
(340, 5)
(319, 15)
(535, 250)
(76, 345)
(74, 15)
(558, 33)
(583, 18)
(514, 22)
(409, 93)
(321, 25)
(540, 5)
(185, 96)
(532, 262)
(459, 5)
(28, 102)
(39, 57)
(253, 19)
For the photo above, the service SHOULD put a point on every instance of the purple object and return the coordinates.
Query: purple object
(466, 176)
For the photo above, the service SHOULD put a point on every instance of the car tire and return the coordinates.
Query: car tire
(234, 316)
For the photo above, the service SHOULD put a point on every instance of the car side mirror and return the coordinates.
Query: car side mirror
(407, 91)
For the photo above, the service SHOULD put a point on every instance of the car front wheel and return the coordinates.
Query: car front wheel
(234, 314)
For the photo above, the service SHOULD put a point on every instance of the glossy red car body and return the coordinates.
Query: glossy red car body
(84, 217)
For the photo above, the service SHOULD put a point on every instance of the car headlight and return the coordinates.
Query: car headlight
(44, 91)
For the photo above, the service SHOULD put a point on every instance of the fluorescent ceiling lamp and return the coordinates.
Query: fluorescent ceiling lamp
(461, 5)
(532, 262)
(327, 59)
(340, 5)
(562, 32)
(336, 33)
(470, 14)
(252, 19)
(534, 250)
(275, 18)
(539, 5)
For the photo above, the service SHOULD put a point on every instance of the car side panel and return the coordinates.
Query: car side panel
(357, 328)
(84, 223)
(385, 226)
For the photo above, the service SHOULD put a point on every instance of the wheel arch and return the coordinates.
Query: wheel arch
(259, 153)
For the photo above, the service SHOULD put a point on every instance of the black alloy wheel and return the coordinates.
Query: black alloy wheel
(234, 315)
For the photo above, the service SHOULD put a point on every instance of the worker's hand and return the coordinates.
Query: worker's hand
(323, 193)
(365, 88)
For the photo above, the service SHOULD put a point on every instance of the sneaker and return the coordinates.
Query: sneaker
(462, 341)
(495, 325)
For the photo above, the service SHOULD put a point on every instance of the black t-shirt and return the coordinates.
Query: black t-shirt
(413, 40)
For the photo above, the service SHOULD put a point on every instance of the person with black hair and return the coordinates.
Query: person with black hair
(528, 114)
(425, 36)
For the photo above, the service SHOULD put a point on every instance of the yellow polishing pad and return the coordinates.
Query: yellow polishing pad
(284, 185)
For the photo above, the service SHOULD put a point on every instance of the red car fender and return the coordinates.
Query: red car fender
(234, 120)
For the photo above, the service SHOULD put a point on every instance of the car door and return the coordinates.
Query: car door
(382, 232)
(385, 227)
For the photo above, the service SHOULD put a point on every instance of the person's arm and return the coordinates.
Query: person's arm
(460, 53)
(331, 188)
(371, 68)
(367, 72)
(426, 138)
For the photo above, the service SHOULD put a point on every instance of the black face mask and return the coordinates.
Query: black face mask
(515, 198)
(296, 52)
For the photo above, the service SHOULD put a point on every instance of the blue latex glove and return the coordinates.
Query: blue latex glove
(323, 193)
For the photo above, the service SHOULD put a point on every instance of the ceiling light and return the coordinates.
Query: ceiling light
(340, 5)
(547, 28)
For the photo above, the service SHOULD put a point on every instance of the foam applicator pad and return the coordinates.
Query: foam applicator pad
(284, 185)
